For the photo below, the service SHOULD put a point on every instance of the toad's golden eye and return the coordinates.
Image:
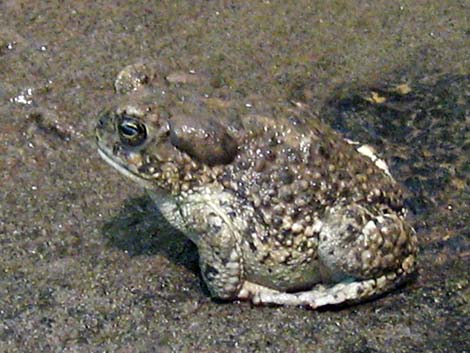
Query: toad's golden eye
(131, 131)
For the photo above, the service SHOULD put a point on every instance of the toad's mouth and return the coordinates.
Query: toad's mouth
(107, 156)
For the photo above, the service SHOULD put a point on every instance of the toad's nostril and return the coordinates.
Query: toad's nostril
(116, 148)
(101, 122)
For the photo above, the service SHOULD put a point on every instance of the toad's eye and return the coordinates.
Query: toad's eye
(131, 131)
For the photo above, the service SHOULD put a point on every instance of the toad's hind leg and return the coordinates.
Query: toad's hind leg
(320, 295)
(356, 243)
(369, 251)
(361, 256)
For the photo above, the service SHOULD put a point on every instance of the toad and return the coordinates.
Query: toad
(283, 209)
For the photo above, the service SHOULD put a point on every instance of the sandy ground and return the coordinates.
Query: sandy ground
(86, 266)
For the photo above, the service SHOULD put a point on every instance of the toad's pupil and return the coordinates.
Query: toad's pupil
(129, 128)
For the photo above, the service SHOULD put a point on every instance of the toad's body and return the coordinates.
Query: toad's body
(281, 208)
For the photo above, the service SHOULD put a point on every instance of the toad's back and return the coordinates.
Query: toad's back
(292, 177)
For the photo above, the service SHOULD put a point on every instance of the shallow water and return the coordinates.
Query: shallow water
(84, 263)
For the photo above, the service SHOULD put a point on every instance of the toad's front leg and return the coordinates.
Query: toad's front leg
(220, 259)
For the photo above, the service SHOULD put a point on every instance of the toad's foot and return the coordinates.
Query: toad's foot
(321, 295)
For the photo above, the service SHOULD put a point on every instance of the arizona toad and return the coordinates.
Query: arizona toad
(283, 210)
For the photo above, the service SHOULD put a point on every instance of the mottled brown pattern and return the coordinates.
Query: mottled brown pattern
(275, 200)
